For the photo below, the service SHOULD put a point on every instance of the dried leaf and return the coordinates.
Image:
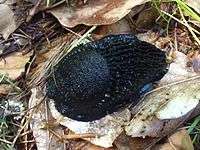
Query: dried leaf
(7, 21)
(99, 12)
(147, 122)
(106, 129)
(178, 70)
(179, 141)
(13, 13)
(13, 65)
(120, 27)
(124, 142)
(44, 139)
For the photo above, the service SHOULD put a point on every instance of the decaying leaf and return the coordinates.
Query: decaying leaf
(120, 27)
(124, 142)
(98, 12)
(13, 65)
(179, 141)
(196, 63)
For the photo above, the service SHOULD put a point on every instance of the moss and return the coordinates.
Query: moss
(102, 76)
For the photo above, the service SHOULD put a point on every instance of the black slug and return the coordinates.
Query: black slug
(98, 78)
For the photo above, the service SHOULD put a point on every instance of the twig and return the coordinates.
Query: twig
(68, 49)
(78, 136)
(175, 38)
(25, 142)
(56, 134)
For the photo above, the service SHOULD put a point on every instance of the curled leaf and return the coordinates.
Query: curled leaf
(98, 12)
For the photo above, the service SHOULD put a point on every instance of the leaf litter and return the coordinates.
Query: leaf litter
(155, 124)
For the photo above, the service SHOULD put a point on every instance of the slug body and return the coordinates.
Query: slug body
(98, 78)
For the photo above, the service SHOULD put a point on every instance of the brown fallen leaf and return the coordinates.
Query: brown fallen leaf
(146, 19)
(84, 145)
(120, 27)
(98, 12)
(124, 142)
(178, 141)
(13, 65)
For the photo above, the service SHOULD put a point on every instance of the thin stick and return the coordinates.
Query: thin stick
(78, 136)
(25, 142)
(5, 141)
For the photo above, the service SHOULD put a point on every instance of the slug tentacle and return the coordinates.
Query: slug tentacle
(102, 76)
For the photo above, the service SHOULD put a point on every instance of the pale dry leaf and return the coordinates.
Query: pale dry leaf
(13, 65)
(44, 139)
(98, 12)
(13, 14)
(149, 122)
(106, 129)
(179, 141)
(7, 21)
(90, 146)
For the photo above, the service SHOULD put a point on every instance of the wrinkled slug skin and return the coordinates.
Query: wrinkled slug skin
(100, 77)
